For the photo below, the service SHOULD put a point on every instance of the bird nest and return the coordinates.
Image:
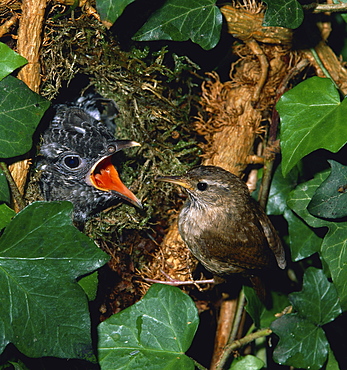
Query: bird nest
(154, 91)
(154, 102)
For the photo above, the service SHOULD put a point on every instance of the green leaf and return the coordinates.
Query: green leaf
(308, 112)
(280, 188)
(111, 10)
(302, 344)
(283, 13)
(9, 60)
(43, 311)
(248, 362)
(6, 214)
(20, 112)
(90, 285)
(299, 199)
(334, 246)
(318, 300)
(330, 199)
(181, 20)
(343, 15)
(332, 364)
(334, 253)
(4, 189)
(261, 316)
(154, 333)
(303, 240)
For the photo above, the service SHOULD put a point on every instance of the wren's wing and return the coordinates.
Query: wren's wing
(272, 237)
(234, 247)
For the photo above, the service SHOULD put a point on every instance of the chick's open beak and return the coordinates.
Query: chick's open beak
(104, 176)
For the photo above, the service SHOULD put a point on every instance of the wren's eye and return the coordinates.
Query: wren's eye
(201, 186)
(72, 161)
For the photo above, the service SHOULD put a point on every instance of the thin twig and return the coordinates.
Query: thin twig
(16, 195)
(236, 344)
(236, 324)
(238, 316)
(322, 67)
(321, 8)
(226, 317)
(265, 182)
(199, 366)
(264, 67)
(5, 27)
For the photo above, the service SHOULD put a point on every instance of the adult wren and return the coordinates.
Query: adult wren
(223, 226)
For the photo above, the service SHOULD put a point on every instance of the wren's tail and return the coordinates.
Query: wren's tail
(260, 289)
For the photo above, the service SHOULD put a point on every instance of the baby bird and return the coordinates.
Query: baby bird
(77, 161)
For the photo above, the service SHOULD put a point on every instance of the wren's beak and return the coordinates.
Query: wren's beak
(178, 180)
(104, 176)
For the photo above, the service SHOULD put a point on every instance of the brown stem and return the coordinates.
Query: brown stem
(264, 67)
(236, 344)
(29, 41)
(17, 196)
(4, 28)
(265, 183)
(225, 320)
(321, 8)
(28, 45)
(236, 318)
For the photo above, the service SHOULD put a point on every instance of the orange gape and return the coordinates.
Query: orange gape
(105, 177)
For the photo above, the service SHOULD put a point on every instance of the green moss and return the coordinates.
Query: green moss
(154, 102)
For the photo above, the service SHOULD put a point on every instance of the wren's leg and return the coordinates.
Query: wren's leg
(175, 282)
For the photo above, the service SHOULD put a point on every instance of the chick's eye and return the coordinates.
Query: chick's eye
(202, 186)
(72, 161)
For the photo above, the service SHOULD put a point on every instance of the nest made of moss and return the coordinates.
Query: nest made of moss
(154, 102)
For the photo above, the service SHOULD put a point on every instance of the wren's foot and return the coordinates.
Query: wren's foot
(175, 282)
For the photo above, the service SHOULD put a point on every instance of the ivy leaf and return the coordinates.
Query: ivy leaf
(4, 189)
(303, 240)
(154, 333)
(334, 253)
(308, 112)
(299, 199)
(20, 112)
(318, 300)
(261, 316)
(111, 10)
(332, 364)
(248, 362)
(181, 20)
(333, 249)
(283, 13)
(280, 188)
(9, 60)
(317, 304)
(343, 15)
(302, 344)
(330, 199)
(43, 311)
(89, 284)
(6, 213)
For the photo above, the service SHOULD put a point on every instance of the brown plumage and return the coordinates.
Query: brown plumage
(223, 226)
